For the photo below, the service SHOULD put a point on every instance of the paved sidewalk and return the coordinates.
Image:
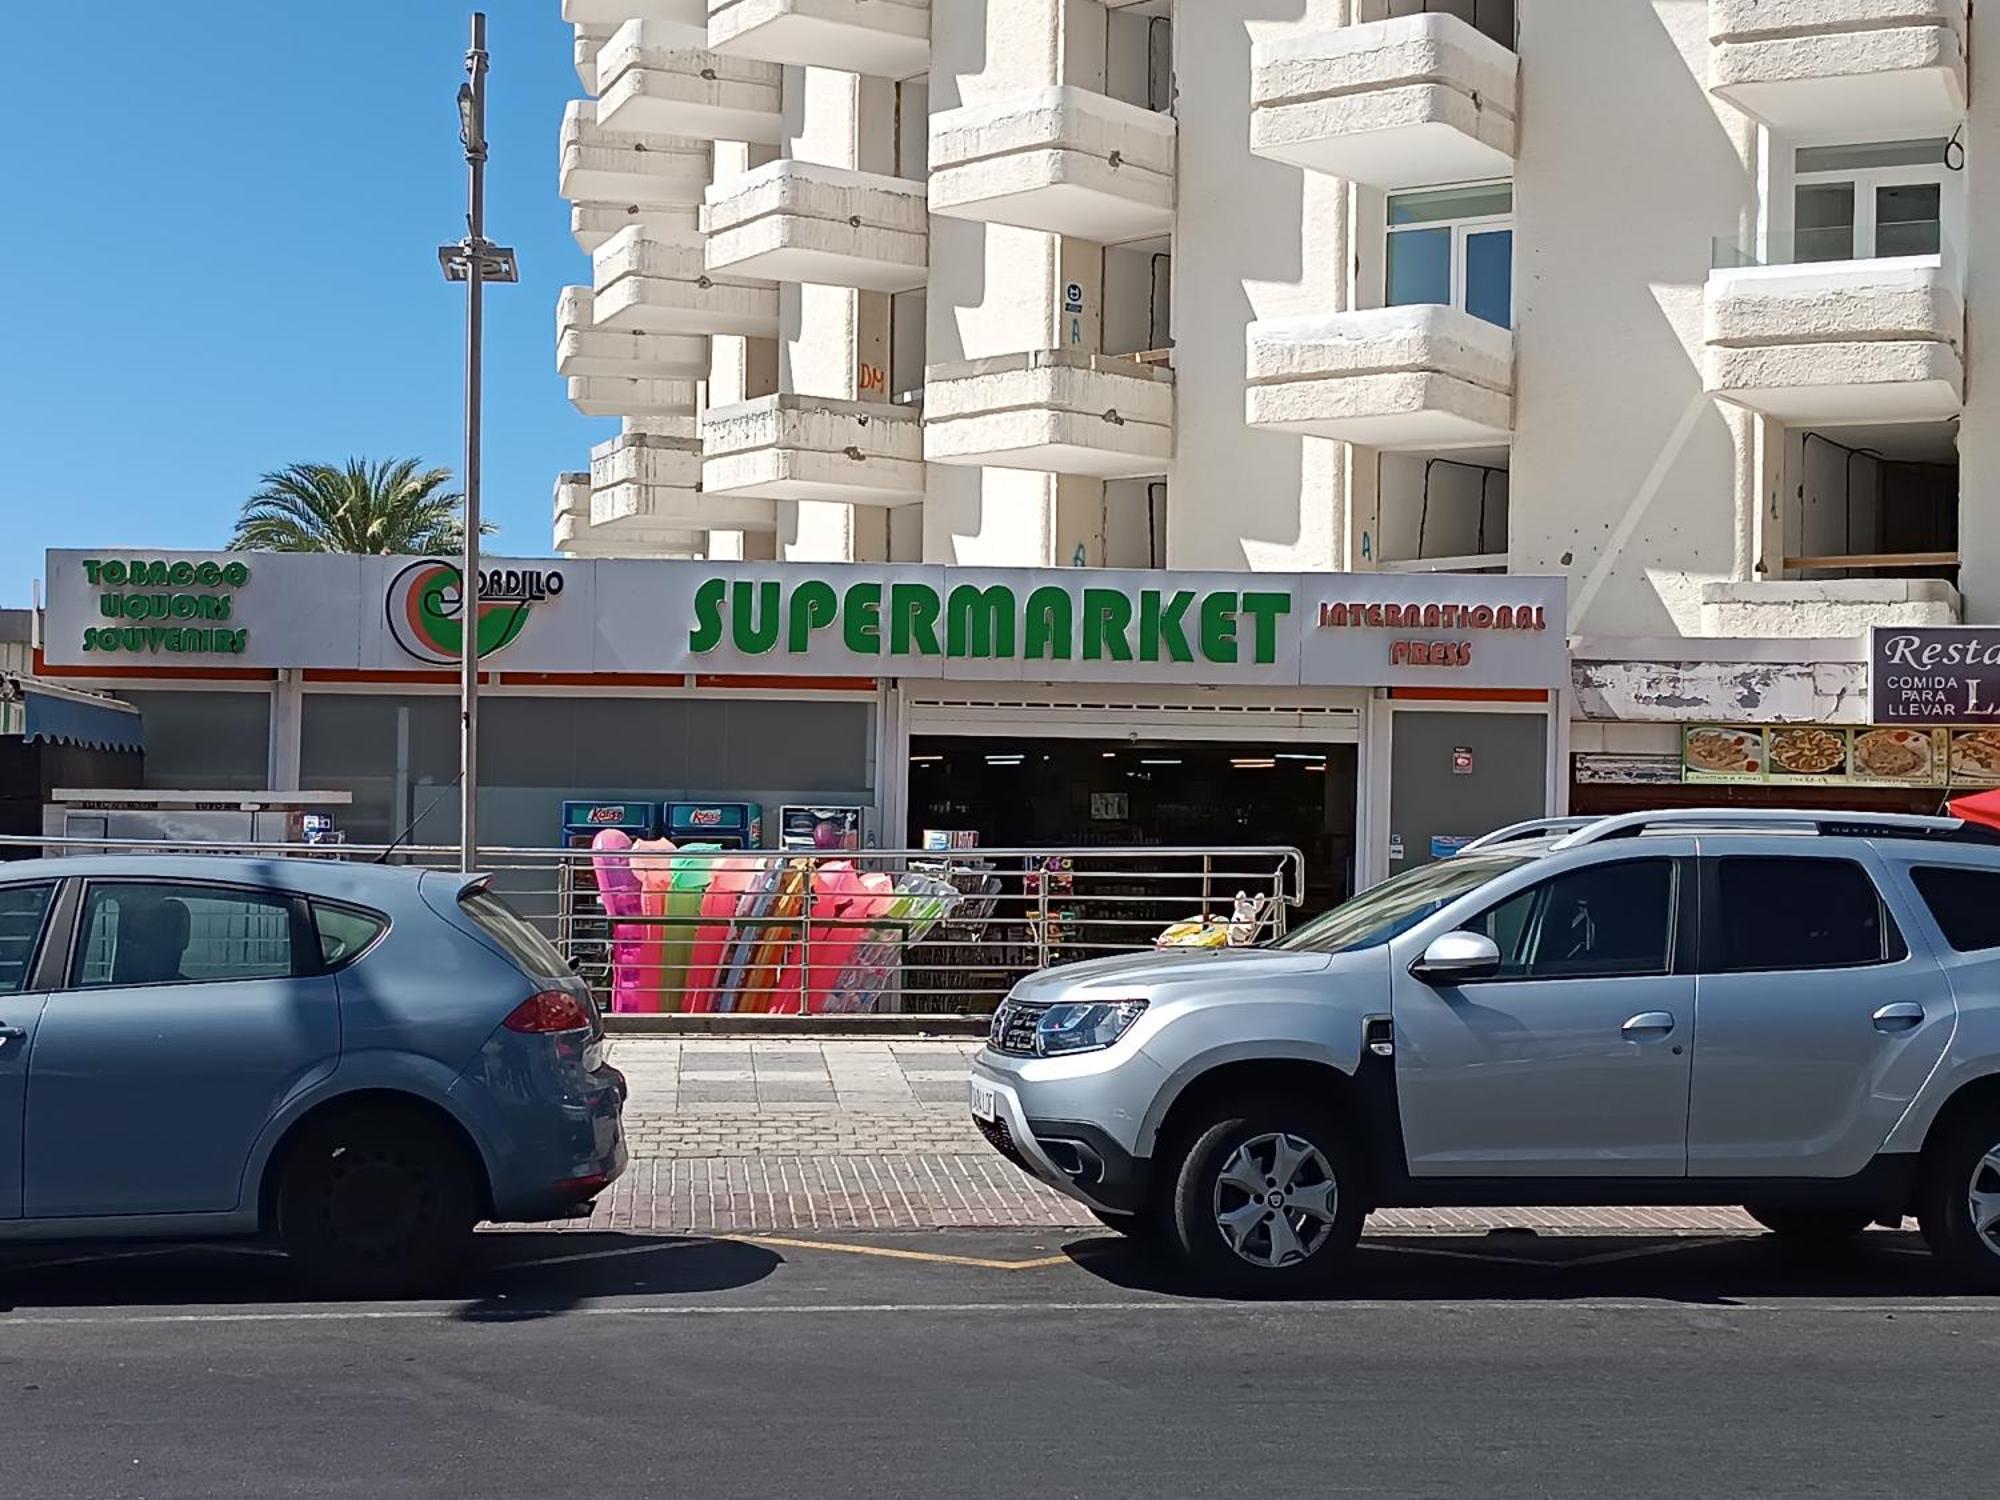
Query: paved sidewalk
(733, 1135)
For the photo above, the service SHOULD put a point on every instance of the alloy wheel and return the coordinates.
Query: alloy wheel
(1276, 1198)
(1982, 1199)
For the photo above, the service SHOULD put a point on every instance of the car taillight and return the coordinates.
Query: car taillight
(551, 1010)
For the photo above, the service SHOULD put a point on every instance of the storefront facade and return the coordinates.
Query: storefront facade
(1425, 708)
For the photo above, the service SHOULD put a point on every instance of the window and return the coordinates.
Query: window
(181, 934)
(1965, 902)
(22, 908)
(1865, 202)
(512, 931)
(1453, 247)
(1493, 17)
(1602, 921)
(345, 932)
(1778, 913)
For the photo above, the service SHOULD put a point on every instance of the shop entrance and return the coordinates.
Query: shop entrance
(1133, 792)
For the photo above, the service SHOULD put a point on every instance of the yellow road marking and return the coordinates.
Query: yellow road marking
(885, 1253)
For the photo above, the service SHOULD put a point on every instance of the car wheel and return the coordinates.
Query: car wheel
(1811, 1228)
(1268, 1199)
(1958, 1204)
(376, 1202)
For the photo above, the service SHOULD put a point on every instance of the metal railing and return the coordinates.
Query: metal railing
(655, 929)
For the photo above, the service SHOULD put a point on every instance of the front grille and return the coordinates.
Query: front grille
(1014, 1027)
(1001, 1139)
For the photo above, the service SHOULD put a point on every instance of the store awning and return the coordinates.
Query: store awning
(66, 719)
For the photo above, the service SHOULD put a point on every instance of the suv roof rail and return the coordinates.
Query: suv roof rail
(1828, 824)
(1527, 828)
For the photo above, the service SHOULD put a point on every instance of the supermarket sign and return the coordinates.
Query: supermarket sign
(618, 616)
(1939, 674)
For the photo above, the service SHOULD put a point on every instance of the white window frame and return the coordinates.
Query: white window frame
(1865, 180)
(1461, 231)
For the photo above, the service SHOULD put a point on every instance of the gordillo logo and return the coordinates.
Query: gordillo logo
(426, 608)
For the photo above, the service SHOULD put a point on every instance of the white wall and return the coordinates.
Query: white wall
(1255, 239)
(1625, 475)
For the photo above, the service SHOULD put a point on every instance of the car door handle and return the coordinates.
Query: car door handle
(12, 1034)
(1902, 1016)
(1648, 1023)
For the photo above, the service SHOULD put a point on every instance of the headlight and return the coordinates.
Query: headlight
(1084, 1027)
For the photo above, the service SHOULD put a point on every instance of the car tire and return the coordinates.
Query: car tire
(1961, 1171)
(1808, 1228)
(1293, 1239)
(376, 1202)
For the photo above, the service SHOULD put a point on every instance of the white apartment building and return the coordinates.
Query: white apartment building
(1676, 300)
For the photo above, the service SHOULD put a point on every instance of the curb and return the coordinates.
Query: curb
(750, 1023)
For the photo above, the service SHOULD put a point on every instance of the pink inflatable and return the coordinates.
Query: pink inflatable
(732, 877)
(618, 889)
(853, 898)
(653, 867)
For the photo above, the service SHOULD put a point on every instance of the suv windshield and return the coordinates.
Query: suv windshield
(1395, 906)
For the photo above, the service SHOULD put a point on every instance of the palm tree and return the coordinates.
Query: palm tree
(392, 507)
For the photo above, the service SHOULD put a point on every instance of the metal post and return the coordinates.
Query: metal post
(468, 581)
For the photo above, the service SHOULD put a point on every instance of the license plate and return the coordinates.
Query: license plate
(985, 1102)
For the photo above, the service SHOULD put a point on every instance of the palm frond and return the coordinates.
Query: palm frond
(386, 507)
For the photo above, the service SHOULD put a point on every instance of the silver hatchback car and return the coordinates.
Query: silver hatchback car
(1794, 1012)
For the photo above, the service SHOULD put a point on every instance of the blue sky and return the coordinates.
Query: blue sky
(221, 258)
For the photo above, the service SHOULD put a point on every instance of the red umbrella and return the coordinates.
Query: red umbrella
(1980, 807)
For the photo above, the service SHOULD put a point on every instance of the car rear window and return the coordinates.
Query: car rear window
(515, 933)
(1777, 912)
(1966, 904)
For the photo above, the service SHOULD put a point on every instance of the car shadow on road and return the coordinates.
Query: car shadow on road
(511, 1276)
(1522, 1266)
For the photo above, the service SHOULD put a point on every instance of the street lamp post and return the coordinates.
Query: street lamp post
(474, 260)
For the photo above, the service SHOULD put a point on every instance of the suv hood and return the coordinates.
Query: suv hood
(1127, 975)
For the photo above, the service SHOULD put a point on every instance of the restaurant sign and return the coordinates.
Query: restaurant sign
(1881, 755)
(1934, 674)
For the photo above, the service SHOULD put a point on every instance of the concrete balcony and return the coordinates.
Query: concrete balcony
(690, 16)
(1826, 609)
(572, 510)
(1386, 377)
(1063, 159)
(883, 38)
(618, 396)
(790, 447)
(653, 285)
(1052, 410)
(627, 167)
(1837, 341)
(651, 481)
(650, 82)
(582, 348)
(589, 42)
(798, 221)
(1413, 102)
(1864, 69)
(594, 223)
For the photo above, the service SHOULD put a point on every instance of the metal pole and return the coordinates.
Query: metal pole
(468, 583)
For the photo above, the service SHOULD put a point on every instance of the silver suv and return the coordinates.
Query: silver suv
(1794, 1012)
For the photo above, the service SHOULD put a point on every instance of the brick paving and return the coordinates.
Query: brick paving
(734, 1135)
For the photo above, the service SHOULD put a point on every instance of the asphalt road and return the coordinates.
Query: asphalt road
(999, 1365)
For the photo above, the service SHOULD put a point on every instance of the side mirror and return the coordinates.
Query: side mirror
(1456, 956)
